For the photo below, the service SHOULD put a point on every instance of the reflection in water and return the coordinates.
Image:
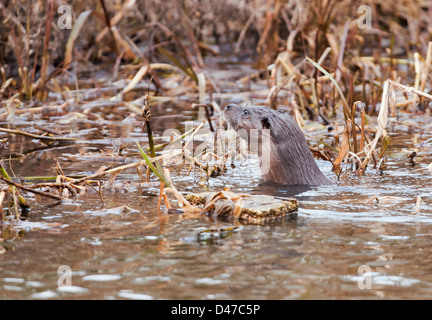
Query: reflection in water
(276, 190)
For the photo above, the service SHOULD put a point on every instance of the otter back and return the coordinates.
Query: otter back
(285, 156)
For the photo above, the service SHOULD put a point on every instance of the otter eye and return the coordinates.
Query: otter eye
(245, 112)
(265, 123)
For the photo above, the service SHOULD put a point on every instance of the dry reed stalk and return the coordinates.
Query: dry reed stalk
(338, 88)
(75, 32)
(362, 132)
(40, 87)
(110, 29)
(341, 52)
(426, 67)
(192, 135)
(407, 89)
(417, 70)
(418, 204)
(243, 31)
(343, 151)
(192, 38)
(36, 136)
(124, 167)
(381, 123)
(3, 195)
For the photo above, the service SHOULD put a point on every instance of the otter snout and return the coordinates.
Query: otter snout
(231, 115)
(230, 109)
(229, 106)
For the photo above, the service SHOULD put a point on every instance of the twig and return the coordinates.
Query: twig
(338, 88)
(208, 113)
(162, 145)
(34, 110)
(120, 168)
(2, 197)
(55, 185)
(146, 115)
(99, 174)
(100, 193)
(195, 131)
(409, 89)
(108, 24)
(41, 193)
(243, 32)
(426, 67)
(36, 136)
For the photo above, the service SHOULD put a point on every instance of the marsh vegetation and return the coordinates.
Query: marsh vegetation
(111, 114)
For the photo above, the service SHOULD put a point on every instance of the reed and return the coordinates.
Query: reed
(314, 58)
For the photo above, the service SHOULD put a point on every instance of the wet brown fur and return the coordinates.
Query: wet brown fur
(291, 161)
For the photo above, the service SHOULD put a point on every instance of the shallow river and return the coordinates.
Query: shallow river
(341, 245)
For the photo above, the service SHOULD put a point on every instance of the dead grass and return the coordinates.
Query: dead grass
(314, 59)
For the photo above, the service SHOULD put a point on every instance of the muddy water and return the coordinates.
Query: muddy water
(338, 234)
(114, 255)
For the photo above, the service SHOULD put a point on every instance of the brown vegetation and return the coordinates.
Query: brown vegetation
(314, 56)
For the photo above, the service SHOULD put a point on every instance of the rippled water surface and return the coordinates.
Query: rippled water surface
(361, 237)
(339, 233)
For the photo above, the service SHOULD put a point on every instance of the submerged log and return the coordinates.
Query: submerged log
(253, 208)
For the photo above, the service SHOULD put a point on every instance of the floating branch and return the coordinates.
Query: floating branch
(41, 193)
(37, 136)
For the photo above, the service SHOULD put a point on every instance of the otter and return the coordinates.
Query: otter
(285, 156)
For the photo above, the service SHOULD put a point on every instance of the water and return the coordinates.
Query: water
(138, 254)
(343, 244)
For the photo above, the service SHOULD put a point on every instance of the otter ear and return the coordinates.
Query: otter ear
(265, 123)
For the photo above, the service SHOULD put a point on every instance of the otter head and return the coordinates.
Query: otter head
(246, 117)
(285, 156)
(252, 124)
